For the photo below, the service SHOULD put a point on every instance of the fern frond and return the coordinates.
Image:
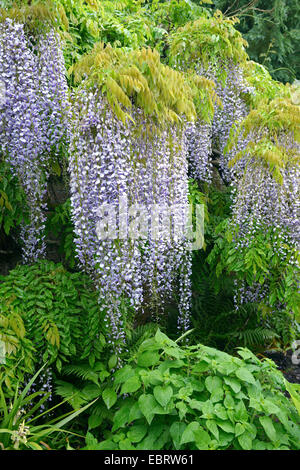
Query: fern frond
(83, 371)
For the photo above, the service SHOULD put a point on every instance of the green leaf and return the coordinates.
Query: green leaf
(126, 445)
(245, 375)
(226, 426)
(131, 385)
(213, 384)
(201, 366)
(109, 397)
(121, 417)
(173, 352)
(106, 445)
(229, 401)
(196, 405)
(134, 413)
(268, 426)
(213, 428)
(239, 429)
(148, 358)
(123, 374)
(176, 431)
(163, 339)
(220, 412)
(188, 434)
(147, 404)
(202, 439)
(94, 421)
(183, 409)
(112, 362)
(245, 441)
(137, 432)
(233, 383)
(163, 394)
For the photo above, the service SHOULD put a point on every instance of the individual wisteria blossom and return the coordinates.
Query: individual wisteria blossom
(32, 119)
(139, 166)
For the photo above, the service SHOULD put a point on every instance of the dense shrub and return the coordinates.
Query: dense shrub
(171, 397)
(47, 314)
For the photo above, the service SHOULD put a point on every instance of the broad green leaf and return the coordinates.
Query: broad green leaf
(163, 394)
(268, 426)
(148, 358)
(112, 361)
(134, 413)
(163, 339)
(202, 439)
(109, 397)
(131, 385)
(183, 409)
(148, 404)
(176, 431)
(239, 429)
(188, 434)
(245, 441)
(213, 428)
(123, 374)
(225, 425)
(121, 417)
(233, 383)
(126, 445)
(244, 374)
(213, 384)
(220, 412)
(137, 432)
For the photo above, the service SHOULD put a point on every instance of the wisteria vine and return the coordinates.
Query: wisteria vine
(33, 118)
(111, 162)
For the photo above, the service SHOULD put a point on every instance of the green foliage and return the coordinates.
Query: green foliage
(47, 314)
(272, 32)
(197, 398)
(90, 378)
(294, 391)
(60, 225)
(208, 40)
(272, 118)
(259, 262)
(162, 93)
(127, 23)
(12, 207)
(167, 16)
(35, 14)
(260, 79)
(17, 425)
(216, 321)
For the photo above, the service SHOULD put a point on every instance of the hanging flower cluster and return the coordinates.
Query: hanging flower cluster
(266, 192)
(32, 118)
(121, 172)
(232, 94)
(231, 89)
(216, 51)
(199, 143)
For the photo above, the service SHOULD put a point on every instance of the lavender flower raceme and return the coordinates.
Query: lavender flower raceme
(32, 119)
